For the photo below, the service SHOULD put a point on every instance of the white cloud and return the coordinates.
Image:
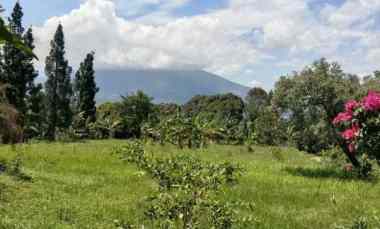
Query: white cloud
(286, 34)
(197, 42)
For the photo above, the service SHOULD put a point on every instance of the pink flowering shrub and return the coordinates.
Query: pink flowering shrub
(360, 125)
(372, 102)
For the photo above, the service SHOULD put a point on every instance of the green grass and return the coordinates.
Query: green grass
(82, 185)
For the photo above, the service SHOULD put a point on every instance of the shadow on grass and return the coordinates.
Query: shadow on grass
(325, 173)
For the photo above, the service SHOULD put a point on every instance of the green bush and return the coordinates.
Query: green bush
(189, 190)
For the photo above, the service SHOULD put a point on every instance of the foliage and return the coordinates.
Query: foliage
(220, 112)
(257, 99)
(188, 188)
(35, 118)
(67, 135)
(268, 128)
(135, 110)
(58, 86)
(184, 131)
(14, 167)
(309, 100)
(17, 66)
(360, 125)
(7, 36)
(85, 90)
(335, 161)
(108, 122)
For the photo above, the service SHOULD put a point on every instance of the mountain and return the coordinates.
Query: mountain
(163, 85)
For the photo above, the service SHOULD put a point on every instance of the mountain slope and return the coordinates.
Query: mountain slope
(163, 85)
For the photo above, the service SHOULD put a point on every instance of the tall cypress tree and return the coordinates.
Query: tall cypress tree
(58, 86)
(13, 59)
(17, 70)
(29, 72)
(34, 116)
(85, 89)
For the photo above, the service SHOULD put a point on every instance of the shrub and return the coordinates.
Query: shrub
(14, 168)
(188, 190)
(360, 126)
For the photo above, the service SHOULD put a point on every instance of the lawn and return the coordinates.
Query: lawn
(84, 185)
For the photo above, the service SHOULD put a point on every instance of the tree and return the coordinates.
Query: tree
(269, 129)
(135, 110)
(85, 89)
(223, 112)
(35, 116)
(257, 99)
(370, 83)
(16, 64)
(58, 86)
(310, 100)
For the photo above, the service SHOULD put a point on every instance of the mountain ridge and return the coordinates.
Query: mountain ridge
(165, 86)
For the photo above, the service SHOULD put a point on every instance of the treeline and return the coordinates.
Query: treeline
(299, 110)
(43, 111)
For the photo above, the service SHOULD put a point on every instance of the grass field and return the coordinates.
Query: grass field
(83, 185)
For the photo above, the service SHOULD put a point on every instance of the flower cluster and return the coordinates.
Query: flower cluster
(348, 118)
(372, 101)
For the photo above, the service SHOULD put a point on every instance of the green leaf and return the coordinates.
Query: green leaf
(7, 36)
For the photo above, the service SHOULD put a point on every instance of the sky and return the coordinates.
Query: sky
(252, 42)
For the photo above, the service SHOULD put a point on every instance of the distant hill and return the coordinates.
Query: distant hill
(163, 85)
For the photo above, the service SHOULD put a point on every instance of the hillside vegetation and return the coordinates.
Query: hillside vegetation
(85, 185)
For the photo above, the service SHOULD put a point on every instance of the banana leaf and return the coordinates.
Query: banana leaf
(7, 36)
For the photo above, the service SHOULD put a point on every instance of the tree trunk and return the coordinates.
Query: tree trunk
(350, 156)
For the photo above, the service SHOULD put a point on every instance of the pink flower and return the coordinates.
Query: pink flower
(351, 106)
(352, 133)
(372, 101)
(342, 117)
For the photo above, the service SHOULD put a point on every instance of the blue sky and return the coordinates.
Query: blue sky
(38, 11)
(252, 42)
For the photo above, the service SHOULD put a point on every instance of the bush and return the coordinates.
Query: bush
(360, 127)
(14, 168)
(188, 190)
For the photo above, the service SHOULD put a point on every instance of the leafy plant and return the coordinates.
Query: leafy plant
(14, 168)
(7, 36)
(360, 129)
(188, 190)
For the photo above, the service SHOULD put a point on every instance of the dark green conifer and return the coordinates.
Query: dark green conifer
(13, 63)
(58, 86)
(85, 89)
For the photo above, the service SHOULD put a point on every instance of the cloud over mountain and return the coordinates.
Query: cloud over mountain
(246, 40)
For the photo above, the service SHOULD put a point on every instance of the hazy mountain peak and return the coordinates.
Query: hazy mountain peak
(164, 85)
